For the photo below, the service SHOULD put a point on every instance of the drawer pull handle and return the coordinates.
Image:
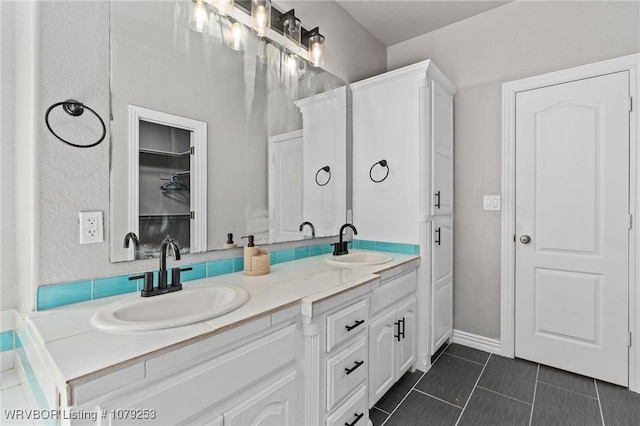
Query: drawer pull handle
(357, 323)
(358, 417)
(437, 203)
(354, 368)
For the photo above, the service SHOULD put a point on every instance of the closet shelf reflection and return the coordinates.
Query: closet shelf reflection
(159, 152)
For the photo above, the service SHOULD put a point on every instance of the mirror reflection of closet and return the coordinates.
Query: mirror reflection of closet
(167, 181)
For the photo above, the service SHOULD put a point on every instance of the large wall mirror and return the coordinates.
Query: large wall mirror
(211, 137)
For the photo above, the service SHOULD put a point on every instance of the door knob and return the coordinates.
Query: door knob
(525, 239)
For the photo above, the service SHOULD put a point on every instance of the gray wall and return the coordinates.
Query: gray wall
(62, 51)
(514, 41)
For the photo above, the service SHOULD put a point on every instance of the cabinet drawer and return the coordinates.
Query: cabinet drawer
(345, 371)
(353, 412)
(393, 291)
(346, 323)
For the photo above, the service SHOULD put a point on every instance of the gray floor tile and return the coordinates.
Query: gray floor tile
(620, 406)
(420, 410)
(566, 380)
(394, 396)
(467, 353)
(515, 378)
(490, 409)
(555, 406)
(451, 379)
(377, 417)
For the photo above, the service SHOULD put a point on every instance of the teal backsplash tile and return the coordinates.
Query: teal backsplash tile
(367, 245)
(199, 270)
(219, 267)
(328, 249)
(52, 296)
(274, 258)
(384, 246)
(316, 250)
(301, 252)
(112, 286)
(286, 255)
(403, 248)
(6, 340)
(355, 244)
(238, 264)
(416, 250)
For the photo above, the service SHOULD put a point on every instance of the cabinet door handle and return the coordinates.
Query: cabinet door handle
(357, 323)
(399, 335)
(403, 327)
(354, 368)
(358, 417)
(437, 200)
(438, 236)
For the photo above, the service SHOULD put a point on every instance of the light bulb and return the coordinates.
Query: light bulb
(291, 65)
(199, 19)
(316, 50)
(292, 33)
(260, 17)
(236, 41)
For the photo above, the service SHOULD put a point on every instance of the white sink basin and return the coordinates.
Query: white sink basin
(359, 258)
(169, 310)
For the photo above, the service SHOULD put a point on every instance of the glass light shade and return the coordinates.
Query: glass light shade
(199, 15)
(291, 65)
(234, 35)
(222, 7)
(316, 50)
(292, 31)
(260, 17)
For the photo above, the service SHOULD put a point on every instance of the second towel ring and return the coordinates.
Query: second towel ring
(74, 109)
(326, 169)
(382, 163)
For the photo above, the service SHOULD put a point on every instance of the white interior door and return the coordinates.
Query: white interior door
(285, 187)
(572, 226)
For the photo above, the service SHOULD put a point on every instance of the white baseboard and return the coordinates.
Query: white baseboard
(477, 342)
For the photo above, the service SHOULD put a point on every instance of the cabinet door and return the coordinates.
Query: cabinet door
(382, 355)
(407, 344)
(442, 282)
(273, 404)
(386, 118)
(441, 150)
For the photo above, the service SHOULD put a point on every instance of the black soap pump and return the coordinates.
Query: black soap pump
(250, 250)
(229, 244)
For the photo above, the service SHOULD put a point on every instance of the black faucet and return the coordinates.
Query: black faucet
(162, 273)
(340, 247)
(148, 290)
(310, 225)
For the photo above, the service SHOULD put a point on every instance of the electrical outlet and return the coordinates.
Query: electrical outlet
(91, 227)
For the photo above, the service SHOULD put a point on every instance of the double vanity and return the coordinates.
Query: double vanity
(312, 343)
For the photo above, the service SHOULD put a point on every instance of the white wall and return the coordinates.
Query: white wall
(7, 155)
(61, 52)
(514, 41)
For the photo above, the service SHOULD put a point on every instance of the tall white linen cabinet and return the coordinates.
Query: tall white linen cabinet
(405, 117)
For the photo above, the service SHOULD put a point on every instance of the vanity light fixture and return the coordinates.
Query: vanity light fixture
(316, 47)
(292, 30)
(222, 7)
(260, 17)
(234, 35)
(199, 15)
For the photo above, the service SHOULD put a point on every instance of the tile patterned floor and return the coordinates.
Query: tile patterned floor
(466, 386)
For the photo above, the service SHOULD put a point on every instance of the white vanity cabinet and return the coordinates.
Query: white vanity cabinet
(336, 358)
(248, 375)
(392, 334)
(405, 117)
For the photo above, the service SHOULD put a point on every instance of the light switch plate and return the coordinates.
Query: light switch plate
(491, 203)
(91, 229)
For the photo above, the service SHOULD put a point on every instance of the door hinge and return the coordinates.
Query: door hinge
(629, 339)
(193, 215)
(630, 104)
(193, 150)
(630, 221)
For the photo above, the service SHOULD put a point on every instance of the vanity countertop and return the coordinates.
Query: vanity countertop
(81, 352)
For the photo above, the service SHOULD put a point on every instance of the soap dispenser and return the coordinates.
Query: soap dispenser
(257, 261)
(229, 244)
